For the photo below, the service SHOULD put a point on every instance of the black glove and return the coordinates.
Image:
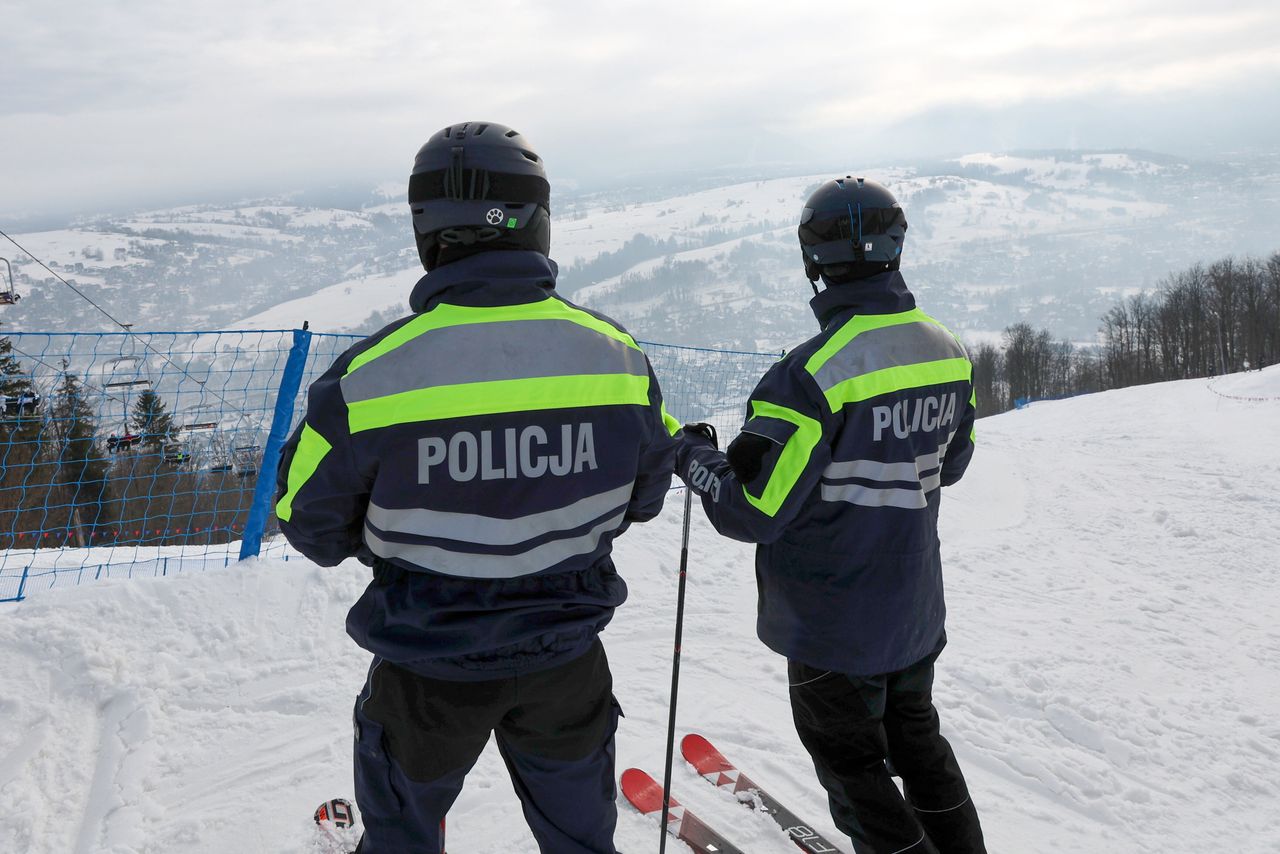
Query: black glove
(705, 430)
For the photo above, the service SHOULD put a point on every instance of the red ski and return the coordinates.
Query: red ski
(645, 794)
(716, 770)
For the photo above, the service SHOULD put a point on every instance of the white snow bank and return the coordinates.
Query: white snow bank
(1263, 385)
(340, 307)
(1110, 685)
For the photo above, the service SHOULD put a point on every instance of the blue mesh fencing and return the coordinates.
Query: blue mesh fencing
(700, 384)
(152, 453)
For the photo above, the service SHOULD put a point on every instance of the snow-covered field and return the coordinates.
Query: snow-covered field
(341, 306)
(1111, 684)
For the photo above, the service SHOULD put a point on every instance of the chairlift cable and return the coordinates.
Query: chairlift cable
(84, 382)
(127, 327)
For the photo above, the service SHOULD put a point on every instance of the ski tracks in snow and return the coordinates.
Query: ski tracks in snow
(1108, 667)
(1110, 682)
(188, 740)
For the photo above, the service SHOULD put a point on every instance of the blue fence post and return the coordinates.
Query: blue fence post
(22, 584)
(281, 421)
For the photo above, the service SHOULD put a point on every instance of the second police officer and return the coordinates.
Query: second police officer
(837, 475)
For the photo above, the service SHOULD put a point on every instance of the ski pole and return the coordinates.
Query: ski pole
(675, 673)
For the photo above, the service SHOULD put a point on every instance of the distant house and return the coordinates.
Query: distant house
(121, 254)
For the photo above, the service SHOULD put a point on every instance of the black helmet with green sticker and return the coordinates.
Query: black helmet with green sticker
(478, 186)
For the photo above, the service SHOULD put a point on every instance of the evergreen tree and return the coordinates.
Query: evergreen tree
(151, 420)
(15, 384)
(24, 481)
(82, 470)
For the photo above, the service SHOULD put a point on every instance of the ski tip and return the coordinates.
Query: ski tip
(642, 791)
(337, 811)
(700, 753)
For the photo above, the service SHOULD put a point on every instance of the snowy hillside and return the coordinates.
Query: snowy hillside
(199, 267)
(994, 238)
(1110, 684)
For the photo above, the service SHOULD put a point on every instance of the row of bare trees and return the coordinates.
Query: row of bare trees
(1201, 322)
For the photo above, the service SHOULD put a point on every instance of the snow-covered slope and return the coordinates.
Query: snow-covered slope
(1110, 684)
(342, 306)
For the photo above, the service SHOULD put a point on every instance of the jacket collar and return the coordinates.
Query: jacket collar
(883, 293)
(516, 267)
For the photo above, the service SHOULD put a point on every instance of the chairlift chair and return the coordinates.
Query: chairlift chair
(175, 455)
(24, 403)
(10, 296)
(134, 376)
(194, 424)
(123, 442)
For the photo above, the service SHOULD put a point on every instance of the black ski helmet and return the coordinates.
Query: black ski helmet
(476, 186)
(851, 228)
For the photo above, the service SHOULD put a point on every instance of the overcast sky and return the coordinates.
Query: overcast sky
(112, 103)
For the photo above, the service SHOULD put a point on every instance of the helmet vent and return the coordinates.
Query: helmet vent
(481, 129)
(512, 133)
(529, 155)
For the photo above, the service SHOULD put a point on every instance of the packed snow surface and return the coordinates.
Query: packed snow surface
(1110, 683)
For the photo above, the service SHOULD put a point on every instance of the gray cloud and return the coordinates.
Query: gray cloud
(116, 103)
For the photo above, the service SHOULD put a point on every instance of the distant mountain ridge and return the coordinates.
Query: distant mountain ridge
(1048, 237)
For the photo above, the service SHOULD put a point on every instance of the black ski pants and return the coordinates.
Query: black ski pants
(851, 725)
(416, 739)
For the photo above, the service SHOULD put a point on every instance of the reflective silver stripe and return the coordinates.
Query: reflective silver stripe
(873, 470)
(492, 530)
(483, 352)
(948, 809)
(471, 565)
(876, 470)
(867, 496)
(888, 347)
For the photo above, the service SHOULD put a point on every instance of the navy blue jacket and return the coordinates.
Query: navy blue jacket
(837, 475)
(481, 455)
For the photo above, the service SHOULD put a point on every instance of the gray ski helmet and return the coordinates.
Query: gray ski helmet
(477, 183)
(851, 221)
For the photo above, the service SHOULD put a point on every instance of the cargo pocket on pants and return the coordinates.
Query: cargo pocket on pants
(375, 794)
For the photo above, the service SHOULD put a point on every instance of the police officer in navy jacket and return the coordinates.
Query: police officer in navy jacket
(837, 475)
(481, 455)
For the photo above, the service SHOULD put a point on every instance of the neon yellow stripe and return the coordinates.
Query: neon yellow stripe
(459, 315)
(855, 327)
(897, 378)
(312, 448)
(491, 398)
(791, 464)
(973, 401)
(672, 425)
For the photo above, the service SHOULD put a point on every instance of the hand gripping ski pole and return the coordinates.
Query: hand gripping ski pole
(675, 673)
